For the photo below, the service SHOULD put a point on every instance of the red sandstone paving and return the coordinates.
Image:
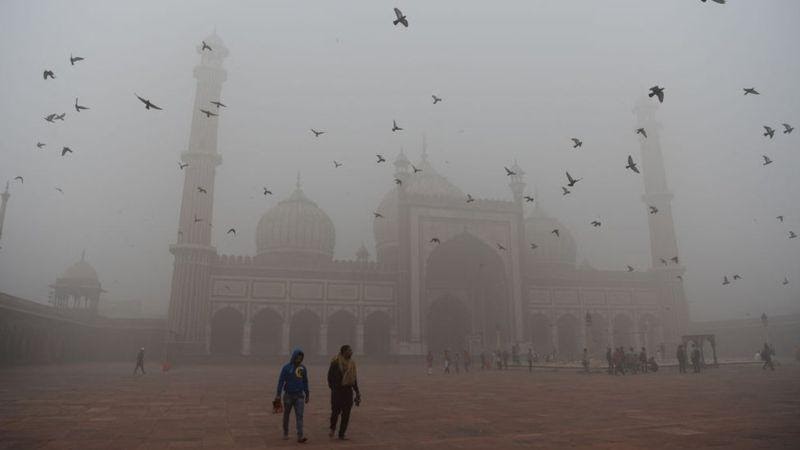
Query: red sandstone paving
(101, 406)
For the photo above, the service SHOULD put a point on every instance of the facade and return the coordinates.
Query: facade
(447, 273)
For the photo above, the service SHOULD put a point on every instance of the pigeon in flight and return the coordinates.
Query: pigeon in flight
(378, 215)
(721, 2)
(49, 73)
(381, 159)
(555, 232)
(232, 230)
(395, 127)
(528, 198)
(470, 199)
(436, 99)
(725, 281)
(336, 164)
(630, 268)
(751, 90)
(59, 190)
(60, 116)
(202, 190)
(416, 169)
(769, 132)
(218, 104)
(435, 241)
(576, 142)
(65, 150)
(571, 180)
(632, 165)
(74, 59)
(792, 234)
(21, 180)
(737, 277)
(680, 277)
(787, 128)
(79, 107)
(398, 181)
(400, 18)
(509, 172)
(208, 113)
(785, 281)
(267, 191)
(196, 219)
(500, 247)
(147, 103)
(596, 223)
(206, 47)
(675, 259)
(653, 209)
(182, 165)
(317, 133)
(565, 191)
(766, 160)
(663, 261)
(658, 92)
(642, 132)
(40, 144)
(780, 218)
(534, 246)
(50, 118)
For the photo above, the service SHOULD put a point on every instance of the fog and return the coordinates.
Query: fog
(519, 78)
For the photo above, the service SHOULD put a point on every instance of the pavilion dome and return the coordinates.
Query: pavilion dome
(551, 249)
(81, 271)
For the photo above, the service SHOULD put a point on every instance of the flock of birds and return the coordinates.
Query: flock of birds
(657, 92)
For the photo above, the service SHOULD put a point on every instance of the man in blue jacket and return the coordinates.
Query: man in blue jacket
(293, 381)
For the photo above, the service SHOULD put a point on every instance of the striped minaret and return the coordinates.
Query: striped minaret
(189, 296)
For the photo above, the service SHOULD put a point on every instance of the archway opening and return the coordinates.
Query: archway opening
(598, 335)
(569, 346)
(650, 329)
(623, 332)
(341, 330)
(227, 327)
(540, 334)
(266, 333)
(448, 325)
(304, 332)
(377, 334)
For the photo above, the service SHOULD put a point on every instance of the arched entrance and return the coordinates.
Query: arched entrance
(377, 334)
(341, 330)
(598, 332)
(266, 333)
(650, 330)
(623, 331)
(467, 293)
(304, 332)
(227, 326)
(540, 334)
(569, 347)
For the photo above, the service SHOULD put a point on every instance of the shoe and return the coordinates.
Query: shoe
(301, 440)
(342, 438)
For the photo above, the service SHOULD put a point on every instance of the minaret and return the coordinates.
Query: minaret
(663, 244)
(517, 184)
(4, 196)
(189, 303)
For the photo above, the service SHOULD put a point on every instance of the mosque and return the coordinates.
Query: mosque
(447, 273)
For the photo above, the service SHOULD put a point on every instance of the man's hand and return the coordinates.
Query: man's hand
(308, 398)
(358, 400)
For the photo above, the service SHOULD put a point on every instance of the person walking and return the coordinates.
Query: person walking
(429, 362)
(530, 359)
(446, 361)
(643, 360)
(766, 356)
(467, 361)
(293, 382)
(343, 382)
(585, 360)
(681, 356)
(139, 361)
(696, 359)
(610, 361)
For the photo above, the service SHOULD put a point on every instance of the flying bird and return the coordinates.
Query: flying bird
(377, 215)
(721, 2)
(74, 59)
(416, 169)
(766, 160)
(500, 247)
(509, 172)
(576, 142)
(182, 165)
(596, 223)
(565, 191)
(555, 232)
(642, 132)
(395, 127)
(196, 219)
(470, 199)
(202, 190)
(336, 164)
(65, 150)
(21, 180)
(658, 92)
(59, 190)
(751, 90)
(737, 277)
(534, 246)
(632, 165)
(674, 259)
(680, 277)
(40, 144)
(653, 209)
(208, 113)
(206, 47)
(317, 133)
(436, 99)
(785, 281)
(267, 191)
(218, 104)
(571, 180)
(780, 218)
(147, 103)
(792, 235)
(398, 181)
(50, 118)
(528, 198)
(787, 128)
(663, 261)
(60, 116)
(401, 18)
(381, 159)
(434, 241)
(630, 268)
(49, 73)
(769, 132)
(725, 281)
(232, 230)
(79, 107)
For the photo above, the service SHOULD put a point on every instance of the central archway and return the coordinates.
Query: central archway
(449, 325)
(227, 326)
(266, 334)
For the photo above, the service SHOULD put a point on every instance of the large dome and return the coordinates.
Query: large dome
(551, 249)
(80, 271)
(295, 230)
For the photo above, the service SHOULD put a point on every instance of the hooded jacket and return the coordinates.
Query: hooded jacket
(293, 380)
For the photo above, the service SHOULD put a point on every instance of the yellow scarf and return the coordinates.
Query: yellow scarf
(348, 369)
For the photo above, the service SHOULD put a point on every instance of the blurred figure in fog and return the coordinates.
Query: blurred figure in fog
(766, 356)
(139, 361)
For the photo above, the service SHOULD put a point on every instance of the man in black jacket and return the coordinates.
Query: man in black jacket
(343, 382)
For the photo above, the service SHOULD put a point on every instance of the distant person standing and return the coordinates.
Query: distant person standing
(610, 361)
(681, 356)
(530, 359)
(643, 360)
(585, 360)
(139, 361)
(467, 361)
(343, 383)
(505, 359)
(457, 357)
(696, 359)
(429, 362)
(293, 382)
(446, 361)
(766, 356)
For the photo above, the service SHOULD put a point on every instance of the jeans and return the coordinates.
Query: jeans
(341, 403)
(296, 401)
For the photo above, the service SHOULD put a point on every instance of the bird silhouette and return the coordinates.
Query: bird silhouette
(377, 215)
(787, 128)
(74, 59)
(674, 259)
(725, 280)
(632, 165)
(528, 198)
(147, 103)
(202, 190)
(267, 191)
(435, 241)
(395, 127)
(571, 180)
(642, 132)
(40, 144)
(680, 277)
(663, 261)
(208, 113)
(596, 223)
(769, 132)
(197, 219)
(206, 47)
(780, 218)
(317, 133)
(218, 104)
(629, 268)
(509, 172)
(78, 107)
(737, 277)
(576, 142)
(336, 164)
(721, 2)
(398, 181)
(555, 232)
(658, 92)
(653, 209)
(49, 73)
(766, 160)
(785, 281)
(565, 191)
(470, 199)
(50, 118)
(65, 150)
(792, 234)
(381, 159)
(751, 90)
(60, 116)
(21, 180)
(436, 99)
(231, 231)
(401, 18)
(500, 247)
(534, 246)
(416, 169)
(182, 166)
(59, 190)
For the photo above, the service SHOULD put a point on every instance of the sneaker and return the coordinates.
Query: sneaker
(301, 440)
(342, 438)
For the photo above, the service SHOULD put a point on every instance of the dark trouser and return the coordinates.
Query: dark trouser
(139, 365)
(296, 401)
(768, 363)
(341, 403)
(681, 366)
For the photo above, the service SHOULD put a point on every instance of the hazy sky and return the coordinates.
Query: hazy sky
(518, 78)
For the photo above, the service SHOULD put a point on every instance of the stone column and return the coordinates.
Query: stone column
(323, 339)
(359, 350)
(246, 338)
(285, 338)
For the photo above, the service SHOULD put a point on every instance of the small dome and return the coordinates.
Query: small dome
(80, 271)
(551, 249)
(295, 229)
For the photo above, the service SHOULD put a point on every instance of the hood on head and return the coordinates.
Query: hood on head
(296, 352)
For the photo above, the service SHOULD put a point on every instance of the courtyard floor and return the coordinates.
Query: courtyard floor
(101, 406)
